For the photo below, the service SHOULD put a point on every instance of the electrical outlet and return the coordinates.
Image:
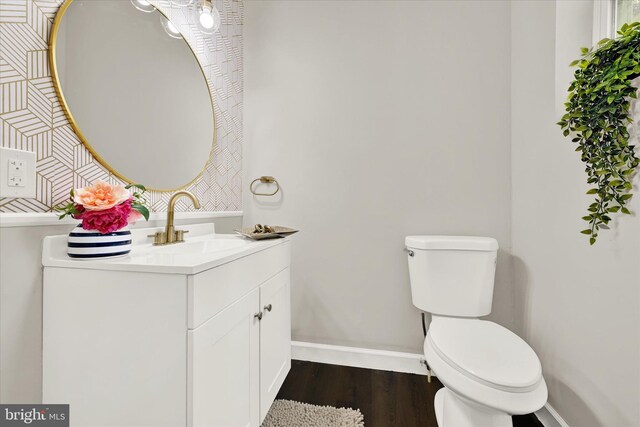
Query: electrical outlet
(17, 173)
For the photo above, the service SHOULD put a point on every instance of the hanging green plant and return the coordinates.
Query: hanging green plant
(597, 118)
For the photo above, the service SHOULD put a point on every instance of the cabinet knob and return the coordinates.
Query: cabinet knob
(258, 315)
(267, 307)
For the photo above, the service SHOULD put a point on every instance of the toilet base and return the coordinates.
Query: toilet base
(455, 411)
(438, 404)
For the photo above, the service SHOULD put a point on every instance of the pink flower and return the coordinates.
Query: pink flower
(80, 210)
(100, 196)
(107, 220)
(134, 216)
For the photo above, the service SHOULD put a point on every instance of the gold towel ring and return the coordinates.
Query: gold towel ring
(265, 180)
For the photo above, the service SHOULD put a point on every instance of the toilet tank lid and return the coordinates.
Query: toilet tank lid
(466, 243)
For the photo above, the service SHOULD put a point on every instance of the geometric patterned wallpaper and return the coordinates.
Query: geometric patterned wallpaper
(32, 119)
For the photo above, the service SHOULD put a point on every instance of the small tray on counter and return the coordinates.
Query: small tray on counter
(276, 233)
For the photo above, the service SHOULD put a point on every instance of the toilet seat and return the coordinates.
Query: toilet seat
(486, 352)
(457, 365)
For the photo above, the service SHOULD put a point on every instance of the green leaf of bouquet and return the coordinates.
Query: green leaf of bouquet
(142, 209)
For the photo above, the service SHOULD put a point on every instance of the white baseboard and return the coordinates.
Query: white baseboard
(549, 417)
(359, 357)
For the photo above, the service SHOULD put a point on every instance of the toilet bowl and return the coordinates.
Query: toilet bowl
(489, 373)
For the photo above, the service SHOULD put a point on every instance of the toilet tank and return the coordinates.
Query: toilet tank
(452, 275)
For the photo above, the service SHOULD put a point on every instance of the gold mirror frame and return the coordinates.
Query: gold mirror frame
(65, 107)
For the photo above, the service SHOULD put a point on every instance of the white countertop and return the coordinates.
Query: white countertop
(202, 250)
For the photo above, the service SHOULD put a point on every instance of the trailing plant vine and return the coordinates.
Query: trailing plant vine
(598, 116)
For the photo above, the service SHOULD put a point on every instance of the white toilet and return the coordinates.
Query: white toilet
(489, 373)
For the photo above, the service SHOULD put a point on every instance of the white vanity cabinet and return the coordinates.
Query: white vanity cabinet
(239, 362)
(154, 341)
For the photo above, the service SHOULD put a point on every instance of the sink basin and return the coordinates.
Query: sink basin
(202, 250)
(203, 246)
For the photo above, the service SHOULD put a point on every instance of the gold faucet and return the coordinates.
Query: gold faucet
(170, 234)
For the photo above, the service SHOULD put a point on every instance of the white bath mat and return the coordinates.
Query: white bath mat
(287, 413)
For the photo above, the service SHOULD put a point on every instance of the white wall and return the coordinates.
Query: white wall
(380, 119)
(578, 306)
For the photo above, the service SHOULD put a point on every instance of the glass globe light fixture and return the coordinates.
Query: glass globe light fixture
(143, 6)
(208, 17)
(170, 28)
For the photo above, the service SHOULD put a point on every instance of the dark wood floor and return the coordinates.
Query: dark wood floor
(386, 399)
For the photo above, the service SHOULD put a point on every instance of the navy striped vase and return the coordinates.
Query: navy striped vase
(91, 244)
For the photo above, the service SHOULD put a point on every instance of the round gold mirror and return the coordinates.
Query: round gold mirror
(133, 91)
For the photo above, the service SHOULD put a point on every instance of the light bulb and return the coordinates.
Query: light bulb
(143, 6)
(170, 28)
(208, 18)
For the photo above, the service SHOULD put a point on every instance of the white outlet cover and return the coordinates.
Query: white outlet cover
(28, 188)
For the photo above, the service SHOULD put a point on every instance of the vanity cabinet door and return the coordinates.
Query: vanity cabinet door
(223, 367)
(275, 338)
